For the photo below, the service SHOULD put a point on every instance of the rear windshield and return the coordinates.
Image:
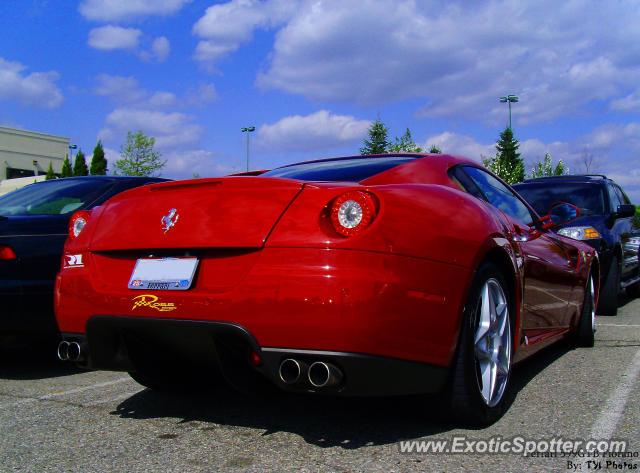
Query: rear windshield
(587, 197)
(52, 197)
(351, 170)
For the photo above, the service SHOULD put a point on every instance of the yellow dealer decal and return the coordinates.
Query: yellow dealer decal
(149, 300)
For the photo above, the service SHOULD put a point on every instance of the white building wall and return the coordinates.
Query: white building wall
(31, 151)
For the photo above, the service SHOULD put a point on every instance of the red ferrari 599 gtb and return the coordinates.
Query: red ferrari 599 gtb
(367, 275)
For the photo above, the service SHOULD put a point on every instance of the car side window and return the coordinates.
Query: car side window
(499, 195)
(614, 199)
(621, 195)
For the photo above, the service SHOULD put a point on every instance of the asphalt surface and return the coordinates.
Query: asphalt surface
(54, 418)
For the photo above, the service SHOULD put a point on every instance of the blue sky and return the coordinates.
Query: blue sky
(312, 75)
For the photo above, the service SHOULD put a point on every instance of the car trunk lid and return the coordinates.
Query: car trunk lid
(231, 212)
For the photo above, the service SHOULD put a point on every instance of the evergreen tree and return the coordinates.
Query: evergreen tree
(507, 162)
(50, 175)
(404, 144)
(98, 161)
(541, 169)
(138, 156)
(435, 150)
(66, 168)
(377, 142)
(80, 165)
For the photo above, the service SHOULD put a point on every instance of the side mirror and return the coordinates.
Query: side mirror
(559, 214)
(626, 210)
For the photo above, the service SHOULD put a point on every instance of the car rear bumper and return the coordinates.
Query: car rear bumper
(306, 299)
(228, 349)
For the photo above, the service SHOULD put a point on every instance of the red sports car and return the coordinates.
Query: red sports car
(366, 275)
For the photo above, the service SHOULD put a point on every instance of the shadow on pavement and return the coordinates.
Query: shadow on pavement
(322, 421)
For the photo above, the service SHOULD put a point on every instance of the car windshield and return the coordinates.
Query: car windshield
(587, 197)
(51, 197)
(351, 169)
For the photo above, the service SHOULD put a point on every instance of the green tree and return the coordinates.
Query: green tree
(50, 175)
(507, 162)
(66, 168)
(80, 165)
(138, 156)
(435, 150)
(636, 218)
(377, 142)
(405, 144)
(98, 161)
(546, 168)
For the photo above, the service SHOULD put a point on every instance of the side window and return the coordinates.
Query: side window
(499, 195)
(614, 198)
(621, 195)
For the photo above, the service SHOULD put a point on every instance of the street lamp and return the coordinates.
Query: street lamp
(509, 99)
(248, 129)
(71, 148)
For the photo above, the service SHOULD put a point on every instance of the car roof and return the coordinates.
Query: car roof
(447, 157)
(595, 178)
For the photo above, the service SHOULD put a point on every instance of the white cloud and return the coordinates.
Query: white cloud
(184, 164)
(320, 130)
(111, 10)
(170, 130)
(452, 143)
(161, 48)
(224, 27)
(108, 38)
(630, 103)
(205, 93)
(458, 57)
(37, 89)
(127, 91)
(120, 89)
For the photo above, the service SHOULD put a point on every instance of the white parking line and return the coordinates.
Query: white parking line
(617, 325)
(64, 393)
(112, 399)
(605, 425)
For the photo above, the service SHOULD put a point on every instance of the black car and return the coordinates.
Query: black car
(34, 225)
(604, 223)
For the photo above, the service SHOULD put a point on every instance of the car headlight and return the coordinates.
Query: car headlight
(579, 233)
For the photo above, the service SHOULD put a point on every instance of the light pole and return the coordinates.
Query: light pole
(71, 148)
(248, 129)
(509, 99)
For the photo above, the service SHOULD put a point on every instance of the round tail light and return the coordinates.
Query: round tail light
(77, 223)
(352, 212)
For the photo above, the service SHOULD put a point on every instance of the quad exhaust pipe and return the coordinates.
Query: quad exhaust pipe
(70, 351)
(324, 375)
(319, 374)
(293, 371)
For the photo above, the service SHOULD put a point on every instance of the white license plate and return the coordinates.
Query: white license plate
(172, 274)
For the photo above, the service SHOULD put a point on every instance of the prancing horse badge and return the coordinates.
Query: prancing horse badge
(169, 221)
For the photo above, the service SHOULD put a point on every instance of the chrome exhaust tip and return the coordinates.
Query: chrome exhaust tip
(63, 350)
(74, 352)
(292, 371)
(324, 375)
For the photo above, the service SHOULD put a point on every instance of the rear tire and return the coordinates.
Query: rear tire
(608, 301)
(482, 365)
(586, 330)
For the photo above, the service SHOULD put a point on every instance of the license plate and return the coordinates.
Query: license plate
(169, 274)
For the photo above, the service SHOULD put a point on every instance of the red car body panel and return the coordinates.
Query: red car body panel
(271, 262)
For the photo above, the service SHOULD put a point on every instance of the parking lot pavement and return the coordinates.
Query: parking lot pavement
(55, 418)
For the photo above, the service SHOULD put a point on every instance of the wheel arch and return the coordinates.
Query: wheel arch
(500, 252)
